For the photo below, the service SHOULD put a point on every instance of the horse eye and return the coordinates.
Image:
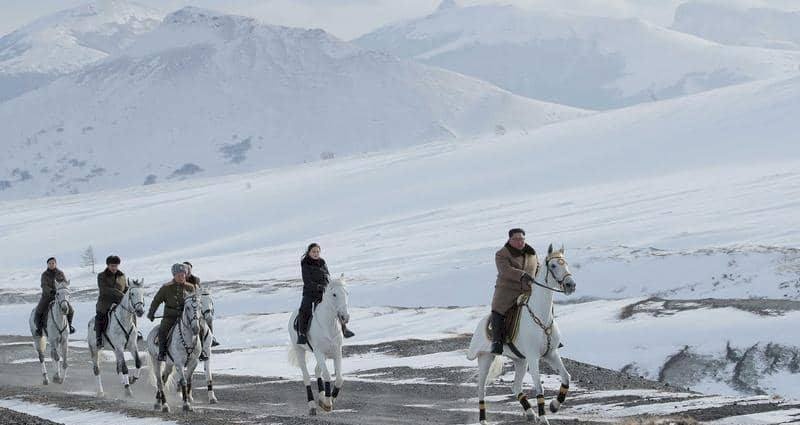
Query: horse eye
(553, 265)
(334, 295)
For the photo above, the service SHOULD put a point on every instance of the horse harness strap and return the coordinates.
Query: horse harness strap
(548, 330)
(52, 315)
(189, 350)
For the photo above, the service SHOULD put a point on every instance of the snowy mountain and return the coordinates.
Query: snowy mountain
(67, 41)
(584, 61)
(210, 94)
(730, 23)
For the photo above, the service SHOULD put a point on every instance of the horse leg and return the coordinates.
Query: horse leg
(133, 348)
(533, 369)
(122, 371)
(56, 361)
(520, 367)
(212, 399)
(187, 407)
(189, 375)
(161, 400)
(300, 355)
(484, 362)
(337, 368)
(64, 363)
(554, 360)
(96, 368)
(324, 402)
(39, 343)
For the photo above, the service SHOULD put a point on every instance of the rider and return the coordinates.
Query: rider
(517, 264)
(172, 294)
(112, 284)
(315, 279)
(49, 279)
(195, 280)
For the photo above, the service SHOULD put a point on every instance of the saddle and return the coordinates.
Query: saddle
(513, 316)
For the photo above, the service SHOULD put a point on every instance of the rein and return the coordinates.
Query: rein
(550, 273)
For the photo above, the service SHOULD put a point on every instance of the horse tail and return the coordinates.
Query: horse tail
(293, 354)
(495, 369)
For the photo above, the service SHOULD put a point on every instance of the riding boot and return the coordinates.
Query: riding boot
(347, 332)
(70, 315)
(302, 327)
(99, 328)
(498, 328)
(214, 342)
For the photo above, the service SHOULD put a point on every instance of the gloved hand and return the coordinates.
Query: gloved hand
(527, 281)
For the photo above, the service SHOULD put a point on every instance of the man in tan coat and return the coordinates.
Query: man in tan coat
(517, 264)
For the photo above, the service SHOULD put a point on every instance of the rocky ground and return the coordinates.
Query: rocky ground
(404, 395)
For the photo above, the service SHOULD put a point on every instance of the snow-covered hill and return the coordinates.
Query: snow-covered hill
(649, 200)
(735, 24)
(67, 41)
(208, 94)
(585, 61)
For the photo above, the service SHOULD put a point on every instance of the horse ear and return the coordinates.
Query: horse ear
(562, 248)
(550, 249)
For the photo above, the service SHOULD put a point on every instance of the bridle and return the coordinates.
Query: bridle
(560, 282)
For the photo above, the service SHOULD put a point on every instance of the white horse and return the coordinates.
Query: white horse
(324, 342)
(538, 338)
(183, 354)
(120, 335)
(56, 334)
(207, 337)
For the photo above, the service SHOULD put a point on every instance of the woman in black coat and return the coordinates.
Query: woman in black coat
(315, 279)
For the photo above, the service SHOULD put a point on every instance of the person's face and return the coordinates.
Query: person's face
(51, 264)
(517, 240)
(113, 268)
(314, 253)
(180, 277)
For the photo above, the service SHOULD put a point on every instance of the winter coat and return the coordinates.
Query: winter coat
(49, 278)
(172, 295)
(112, 288)
(512, 264)
(315, 277)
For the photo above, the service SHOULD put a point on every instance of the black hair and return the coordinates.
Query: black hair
(515, 230)
(308, 250)
(112, 259)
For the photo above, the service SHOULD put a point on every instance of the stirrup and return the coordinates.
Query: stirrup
(161, 357)
(214, 342)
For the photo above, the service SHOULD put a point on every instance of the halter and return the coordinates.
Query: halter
(127, 332)
(550, 273)
(53, 316)
(548, 330)
(189, 350)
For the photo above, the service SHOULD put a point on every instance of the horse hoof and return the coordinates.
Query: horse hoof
(101, 394)
(554, 406)
(45, 382)
(312, 412)
(324, 406)
(212, 400)
(128, 393)
(157, 407)
(165, 409)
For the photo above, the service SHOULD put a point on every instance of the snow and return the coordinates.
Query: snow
(737, 24)
(77, 417)
(583, 61)
(246, 96)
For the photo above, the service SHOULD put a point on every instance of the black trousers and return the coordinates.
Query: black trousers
(167, 323)
(306, 311)
(41, 311)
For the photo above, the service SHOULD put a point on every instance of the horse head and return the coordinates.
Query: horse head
(336, 295)
(558, 270)
(62, 296)
(191, 313)
(135, 296)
